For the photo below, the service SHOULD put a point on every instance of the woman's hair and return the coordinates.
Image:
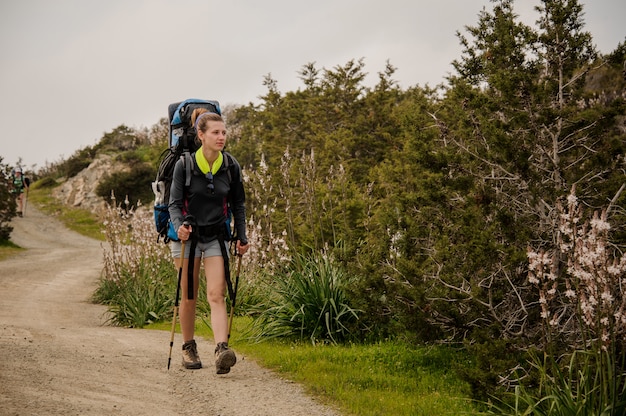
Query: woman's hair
(201, 116)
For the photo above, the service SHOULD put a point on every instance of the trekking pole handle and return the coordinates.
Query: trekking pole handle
(189, 221)
(243, 243)
(186, 224)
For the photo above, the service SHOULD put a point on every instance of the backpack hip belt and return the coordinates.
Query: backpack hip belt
(216, 230)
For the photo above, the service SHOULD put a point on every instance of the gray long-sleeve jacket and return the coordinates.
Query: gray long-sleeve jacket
(208, 206)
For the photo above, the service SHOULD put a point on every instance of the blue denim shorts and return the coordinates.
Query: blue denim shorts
(210, 249)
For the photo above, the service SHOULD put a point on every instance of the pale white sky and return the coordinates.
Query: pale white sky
(71, 70)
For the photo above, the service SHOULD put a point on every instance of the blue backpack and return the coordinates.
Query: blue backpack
(182, 143)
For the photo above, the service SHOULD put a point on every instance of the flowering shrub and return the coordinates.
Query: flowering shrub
(581, 295)
(138, 278)
(581, 282)
(268, 246)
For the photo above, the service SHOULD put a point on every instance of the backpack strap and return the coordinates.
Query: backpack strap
(187, 164)
(229, 164)
(186, 156)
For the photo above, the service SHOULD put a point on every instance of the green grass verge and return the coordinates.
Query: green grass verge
(383, 378)
(8, 249)
(80, 220)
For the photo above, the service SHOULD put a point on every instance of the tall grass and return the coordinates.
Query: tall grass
(138, 280)
(585, 384)
(307, 301)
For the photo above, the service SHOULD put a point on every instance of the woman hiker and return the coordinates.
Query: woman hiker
(205, 199)
(20, 184)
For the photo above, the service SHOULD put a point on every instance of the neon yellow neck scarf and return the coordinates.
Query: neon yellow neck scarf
(203, 164)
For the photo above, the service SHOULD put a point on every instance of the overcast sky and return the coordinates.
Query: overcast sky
(72, 70)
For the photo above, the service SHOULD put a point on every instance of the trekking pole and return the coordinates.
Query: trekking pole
(180, 274)
(232, 303)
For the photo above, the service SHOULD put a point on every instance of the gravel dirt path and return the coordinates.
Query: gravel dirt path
(58, 358)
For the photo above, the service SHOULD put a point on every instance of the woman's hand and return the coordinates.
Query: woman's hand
(242, 247)
(183, 233)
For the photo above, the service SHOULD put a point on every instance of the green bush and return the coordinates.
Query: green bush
(134, 185)
(47, 182)
(7, 202)
(137, 299)
(122, 138)
(307, 301)
(77, 163)
(490, 359)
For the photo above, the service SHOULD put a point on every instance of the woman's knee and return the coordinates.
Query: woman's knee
(215, 297)
(185, 302)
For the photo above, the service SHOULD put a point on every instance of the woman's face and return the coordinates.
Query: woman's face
(213, 137)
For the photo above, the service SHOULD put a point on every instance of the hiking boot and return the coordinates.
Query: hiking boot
(191, 360)
(225, 358)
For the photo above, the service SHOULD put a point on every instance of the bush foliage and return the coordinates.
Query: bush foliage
(8, 203)
(307, 301)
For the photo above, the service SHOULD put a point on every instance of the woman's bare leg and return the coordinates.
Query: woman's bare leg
(216, 292)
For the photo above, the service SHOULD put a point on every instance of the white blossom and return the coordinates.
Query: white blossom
(607, 297)
(600, 225)
(571, 199)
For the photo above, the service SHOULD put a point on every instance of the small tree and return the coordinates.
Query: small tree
(524, 136)
(8, 204)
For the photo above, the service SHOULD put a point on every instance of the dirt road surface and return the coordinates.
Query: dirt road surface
(58, 358)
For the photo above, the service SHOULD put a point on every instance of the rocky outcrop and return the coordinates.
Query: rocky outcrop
(80, 190)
